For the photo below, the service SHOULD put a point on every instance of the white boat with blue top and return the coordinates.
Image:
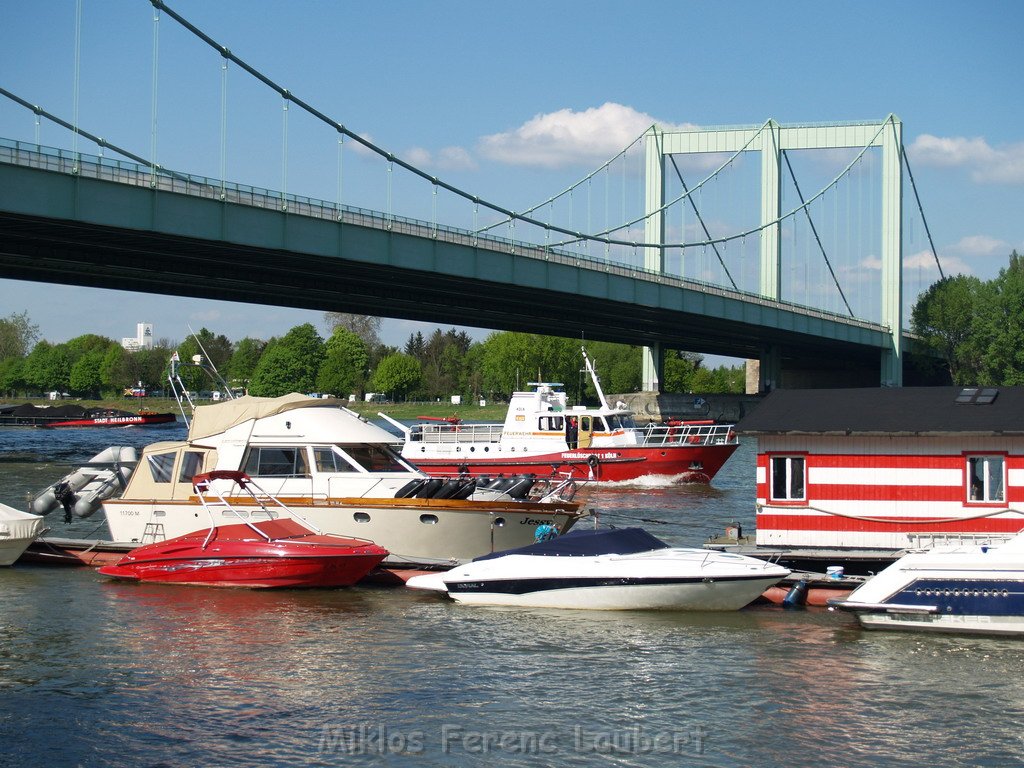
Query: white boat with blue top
(966, 588)
(617, 569)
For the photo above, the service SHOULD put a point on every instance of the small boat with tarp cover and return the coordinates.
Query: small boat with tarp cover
(617, 569)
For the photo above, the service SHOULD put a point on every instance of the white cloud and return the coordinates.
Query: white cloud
(564, 138)
(924, 260)
(980, 245)
(987, 165)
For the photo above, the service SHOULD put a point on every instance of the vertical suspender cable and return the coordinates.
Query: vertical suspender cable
(284, 152)
(153, 113)
(341, 155)
(74, 110)
(223, 125)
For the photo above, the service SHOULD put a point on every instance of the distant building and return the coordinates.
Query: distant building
(143, 338)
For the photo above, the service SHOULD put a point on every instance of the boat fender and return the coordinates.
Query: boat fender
(797, 595)
(544, 531)
(410, 488)
(593, 461)
(430, 488)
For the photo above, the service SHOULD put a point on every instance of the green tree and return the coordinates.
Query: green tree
(289, 364)
(511, 360)
(17, 335)
(85, 378)
(343, 371)
(12, 378)
(48, 367)
(244, 360)
(1000, 327)
(944, 317)
(397, 375)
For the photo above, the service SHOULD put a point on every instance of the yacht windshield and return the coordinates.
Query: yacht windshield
(374, 457)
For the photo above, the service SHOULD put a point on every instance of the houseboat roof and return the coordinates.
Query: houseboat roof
(890, 410)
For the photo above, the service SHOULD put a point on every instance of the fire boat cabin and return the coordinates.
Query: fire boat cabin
(888, 469)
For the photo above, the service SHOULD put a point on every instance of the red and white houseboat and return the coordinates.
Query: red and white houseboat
(856, 477)
(542, 435)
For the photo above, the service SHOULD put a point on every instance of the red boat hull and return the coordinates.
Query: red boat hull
(121, 420)
(236, 556)
(688, 463)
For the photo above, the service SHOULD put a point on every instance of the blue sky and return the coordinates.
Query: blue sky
(513, 102)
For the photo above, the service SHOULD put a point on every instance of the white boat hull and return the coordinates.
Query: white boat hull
(970, 589)
(17, 531)
(669, 579)
(724, 595)
(975, 625)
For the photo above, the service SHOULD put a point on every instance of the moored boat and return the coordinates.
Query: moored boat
(29, 415)
(341, 473)
(279, 551)
(968, 588)
(617, 569)
(17, 531)
(543, 435)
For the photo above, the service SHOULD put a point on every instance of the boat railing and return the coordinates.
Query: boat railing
(932, 540)
(456, 433)
(687, 434)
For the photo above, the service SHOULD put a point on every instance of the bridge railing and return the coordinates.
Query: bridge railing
(161, 179)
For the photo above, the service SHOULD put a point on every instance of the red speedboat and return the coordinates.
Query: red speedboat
(265, 553)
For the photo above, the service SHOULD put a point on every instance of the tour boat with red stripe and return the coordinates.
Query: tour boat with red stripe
(544, 436)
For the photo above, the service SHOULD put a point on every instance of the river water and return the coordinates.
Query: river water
(100, 673)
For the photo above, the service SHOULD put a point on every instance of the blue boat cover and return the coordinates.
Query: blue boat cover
(578, 543)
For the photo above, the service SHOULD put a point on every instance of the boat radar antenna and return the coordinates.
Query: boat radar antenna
(593, 378)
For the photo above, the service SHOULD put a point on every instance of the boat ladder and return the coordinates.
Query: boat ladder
(153, 532)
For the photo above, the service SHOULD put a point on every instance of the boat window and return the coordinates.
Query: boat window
(788, 478)
(329, 460)
(551, 424)
(374, 458)
(266, 461)
(191, 465)
(598, 424)
(161, 466)
(985, 478)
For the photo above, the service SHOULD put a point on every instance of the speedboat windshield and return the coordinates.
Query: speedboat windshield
(578, 543)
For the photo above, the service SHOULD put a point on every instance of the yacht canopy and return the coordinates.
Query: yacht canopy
(219, 417)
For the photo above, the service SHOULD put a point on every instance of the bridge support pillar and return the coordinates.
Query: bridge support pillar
(771, 210)
(654, 232)
(653, 367)
(769, 370)
(892, 252)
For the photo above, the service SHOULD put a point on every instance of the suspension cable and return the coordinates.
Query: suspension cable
(935, 253)
(700, 218)
(814, 230)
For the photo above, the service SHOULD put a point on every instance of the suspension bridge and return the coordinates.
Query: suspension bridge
(737, 261)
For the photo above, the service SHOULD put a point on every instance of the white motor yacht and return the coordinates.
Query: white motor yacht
(967, 588)
(618, 569)
(338, 471)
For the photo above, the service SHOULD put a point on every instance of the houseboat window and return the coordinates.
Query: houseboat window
(160, 467)
(551, 424)
(985, 478)
(788, 478)
(329, 460)
(191, 465)
(374, 458)
(266, 461)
